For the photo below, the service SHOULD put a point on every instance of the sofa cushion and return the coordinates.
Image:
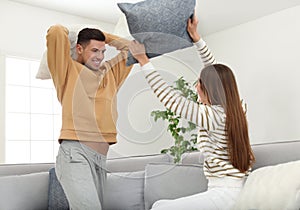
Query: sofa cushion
(166, 181)
(56, 197)
(124, 191)
(26, 192)
(272, 187)
(159, 24)
(195, 157)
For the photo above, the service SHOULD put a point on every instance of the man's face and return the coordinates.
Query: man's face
(92, 54)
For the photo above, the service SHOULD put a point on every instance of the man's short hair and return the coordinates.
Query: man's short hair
(87, 34)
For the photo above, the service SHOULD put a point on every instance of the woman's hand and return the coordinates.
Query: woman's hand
(192, 28)
(138, 52)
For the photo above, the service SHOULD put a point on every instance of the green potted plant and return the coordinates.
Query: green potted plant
(183, 132)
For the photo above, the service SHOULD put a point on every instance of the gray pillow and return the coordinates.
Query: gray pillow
(56, 197)
(159, 24)
(125, 187)
(170, 181)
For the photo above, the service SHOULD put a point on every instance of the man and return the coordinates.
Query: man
(86, 89)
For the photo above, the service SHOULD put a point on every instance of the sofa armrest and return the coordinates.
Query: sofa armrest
(26, 192)
(26, 168)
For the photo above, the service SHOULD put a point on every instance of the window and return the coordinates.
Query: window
(32, 114)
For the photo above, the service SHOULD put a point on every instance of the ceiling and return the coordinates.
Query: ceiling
(214, 15)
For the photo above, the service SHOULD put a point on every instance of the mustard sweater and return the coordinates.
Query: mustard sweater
(88, 98)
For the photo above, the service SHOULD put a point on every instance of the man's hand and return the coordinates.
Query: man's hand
(138, 52)
(192, 28)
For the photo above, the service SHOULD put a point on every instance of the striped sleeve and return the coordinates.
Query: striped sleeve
(202, 115)
(205, 54)
(244, 106)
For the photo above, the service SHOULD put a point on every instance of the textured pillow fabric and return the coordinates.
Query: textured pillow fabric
(43, 71)
(272, 187)
(170, 181)
(124, 191)
(56, 197)
(26, 192)
(159, 24)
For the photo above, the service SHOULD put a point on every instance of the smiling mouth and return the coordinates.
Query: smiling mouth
(98, 62)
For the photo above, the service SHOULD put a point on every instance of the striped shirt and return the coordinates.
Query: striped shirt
(212, 139)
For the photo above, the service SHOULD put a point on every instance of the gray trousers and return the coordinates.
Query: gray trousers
(82, 174)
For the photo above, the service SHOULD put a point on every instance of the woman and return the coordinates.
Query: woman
(223, 131)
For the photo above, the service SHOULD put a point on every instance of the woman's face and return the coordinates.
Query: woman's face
(202, 98)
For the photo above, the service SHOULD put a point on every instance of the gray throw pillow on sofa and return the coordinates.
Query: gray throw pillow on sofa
(124, 191)
(56, 197)
(171, 181)
(159, 24)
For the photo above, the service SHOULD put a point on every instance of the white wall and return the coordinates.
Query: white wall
(138, 133)
(24, 28)
(2, 123)
(265, 56)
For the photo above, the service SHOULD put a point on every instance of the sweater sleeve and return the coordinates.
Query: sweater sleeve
(206, 55)
(118, 64)
(58, 56)
(202, 115)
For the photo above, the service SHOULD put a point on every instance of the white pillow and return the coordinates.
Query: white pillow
(272, 187)
(43, 71)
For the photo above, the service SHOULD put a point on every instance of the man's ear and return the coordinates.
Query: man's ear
(79, 49)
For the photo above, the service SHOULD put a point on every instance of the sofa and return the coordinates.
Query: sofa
(136, 182)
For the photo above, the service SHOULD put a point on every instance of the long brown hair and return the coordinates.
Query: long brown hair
(219, 84)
